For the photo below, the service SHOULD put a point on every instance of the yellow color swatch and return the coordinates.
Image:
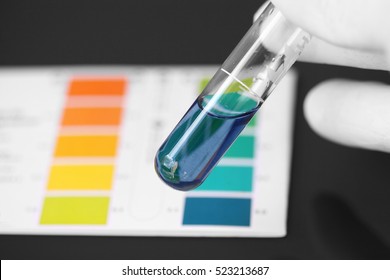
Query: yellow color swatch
(81, 177)
(75, 210)
(86, 146)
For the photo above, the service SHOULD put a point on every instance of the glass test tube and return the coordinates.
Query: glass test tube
(230, 99)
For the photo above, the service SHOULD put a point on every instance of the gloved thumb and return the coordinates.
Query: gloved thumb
(351, 113)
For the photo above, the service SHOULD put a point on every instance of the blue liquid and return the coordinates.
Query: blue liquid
(201, 138)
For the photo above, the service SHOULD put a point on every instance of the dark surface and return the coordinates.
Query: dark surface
(340, 197)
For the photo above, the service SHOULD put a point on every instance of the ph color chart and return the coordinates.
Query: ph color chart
(77, 148)
(84, 156)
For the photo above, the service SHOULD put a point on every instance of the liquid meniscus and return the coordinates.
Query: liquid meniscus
(201, 138)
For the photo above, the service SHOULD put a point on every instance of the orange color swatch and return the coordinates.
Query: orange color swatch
(92, 116)
(98, 86)
(86, 146)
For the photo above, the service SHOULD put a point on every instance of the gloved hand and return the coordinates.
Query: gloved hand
(353, 33)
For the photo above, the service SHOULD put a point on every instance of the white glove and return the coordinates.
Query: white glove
(353, 33)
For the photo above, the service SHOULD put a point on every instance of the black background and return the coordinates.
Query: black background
(340, 197)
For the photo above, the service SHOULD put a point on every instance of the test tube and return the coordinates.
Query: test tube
(230, 99)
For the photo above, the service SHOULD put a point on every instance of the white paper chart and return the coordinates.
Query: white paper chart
(77, 146)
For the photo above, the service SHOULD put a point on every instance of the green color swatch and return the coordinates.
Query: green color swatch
(252, 122)
(238, 87)
(203, 83)
(234, 86)
(75, 210)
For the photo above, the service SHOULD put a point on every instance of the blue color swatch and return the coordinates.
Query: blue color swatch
(217, 211)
